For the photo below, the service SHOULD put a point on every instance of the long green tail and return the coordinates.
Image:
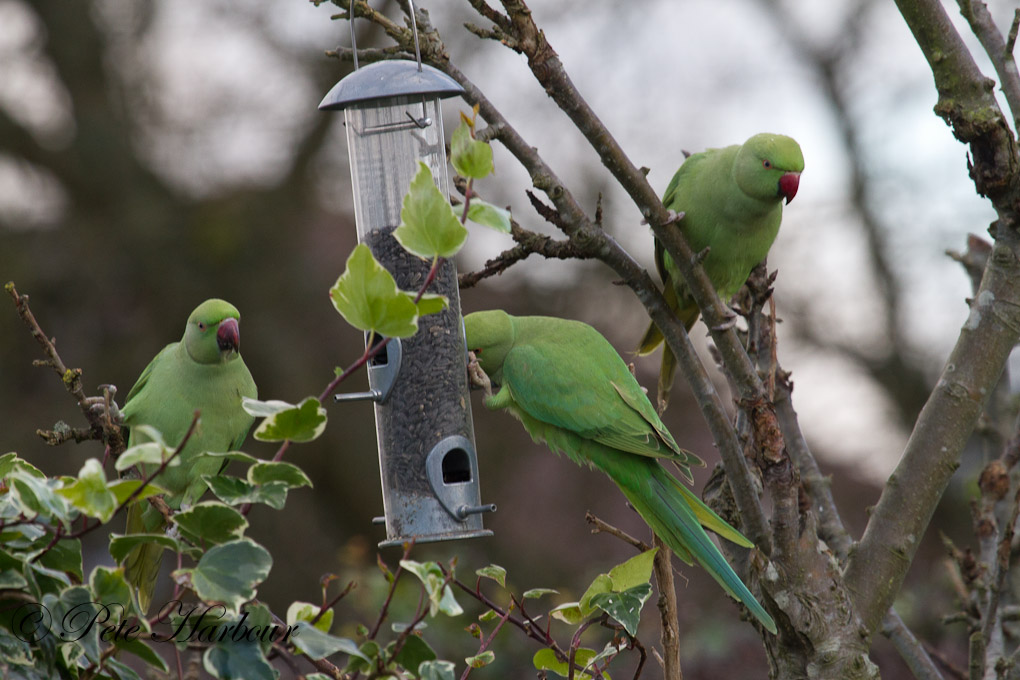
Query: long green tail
(141, 567)
(653, 338)
(676, 515)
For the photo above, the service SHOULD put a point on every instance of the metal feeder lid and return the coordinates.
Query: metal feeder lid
(389, 79)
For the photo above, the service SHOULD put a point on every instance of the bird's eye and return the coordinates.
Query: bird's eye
(767, 164)
(201, 326)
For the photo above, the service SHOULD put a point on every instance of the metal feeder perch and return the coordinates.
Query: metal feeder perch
(424, 431)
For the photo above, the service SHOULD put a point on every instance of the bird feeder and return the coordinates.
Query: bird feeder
(425, 437)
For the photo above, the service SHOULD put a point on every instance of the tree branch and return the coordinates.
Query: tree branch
(981, 23)
(876, 570)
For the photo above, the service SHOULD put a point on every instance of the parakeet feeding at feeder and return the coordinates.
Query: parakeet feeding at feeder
(571, 390)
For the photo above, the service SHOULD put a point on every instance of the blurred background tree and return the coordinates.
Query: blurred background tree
(155, 154)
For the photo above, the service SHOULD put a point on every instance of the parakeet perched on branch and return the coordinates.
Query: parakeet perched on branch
(203, 372)
(571, 390)
(732, 203)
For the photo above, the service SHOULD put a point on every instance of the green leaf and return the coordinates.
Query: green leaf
(495, 572)
(301, 423)
(545, 660)
(441, 597)
(368, 298)
(110, 591)
(432, 303)
(536, 593)
(625, 607)
(74, 618)
(211, 522)
(569, 613)
(9, 462)
(235, 660)
(228, 573)
(480, 660)
(120, 670)
(318, 645)
(264, 409)
(235, 455)
(428, 227)
(601, 584)
(365, 658)
(123, 488)
(121, 545)
(436, 670)
(634, 572)
(470, 157)
(152, 451)
(288, 473)
(63, 557)
(414, 653)
(489, 615)
(306, 611)
(12, 580)
(236, 491)
(489, 215)
(142, 650)
(89, 492)
(33, 495)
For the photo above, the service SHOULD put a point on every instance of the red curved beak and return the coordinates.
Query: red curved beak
(228, 335)
(788, 185)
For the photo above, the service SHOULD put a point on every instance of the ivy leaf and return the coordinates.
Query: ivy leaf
(368, 298)
(211, 522)
(9, 462)
(428, 226)
(120, 545)
(441, 597)
(318, 645)
(495, 572)
(89, 493)
(436, 670)
(287, 473)
(306, 611)
(123, 488)
(236, 491)
(153, 451)
(229, 660)
(33, 495)
(480, 660)
(228, 573)
(536, 593)
(469, 157)
(546, 660)
(489, 215)
(110, 591)
(634, 572)
(264, 409)
(301, 423)
(414, 653)
(625, 606)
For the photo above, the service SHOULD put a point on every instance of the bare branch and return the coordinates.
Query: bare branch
(999, 52)
(100, 426)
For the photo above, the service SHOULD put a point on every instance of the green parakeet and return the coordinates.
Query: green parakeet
(732, 202)
(203, 372)
(571, 390)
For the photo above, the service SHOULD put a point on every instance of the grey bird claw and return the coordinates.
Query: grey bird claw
(730, 322)
(478, 376)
